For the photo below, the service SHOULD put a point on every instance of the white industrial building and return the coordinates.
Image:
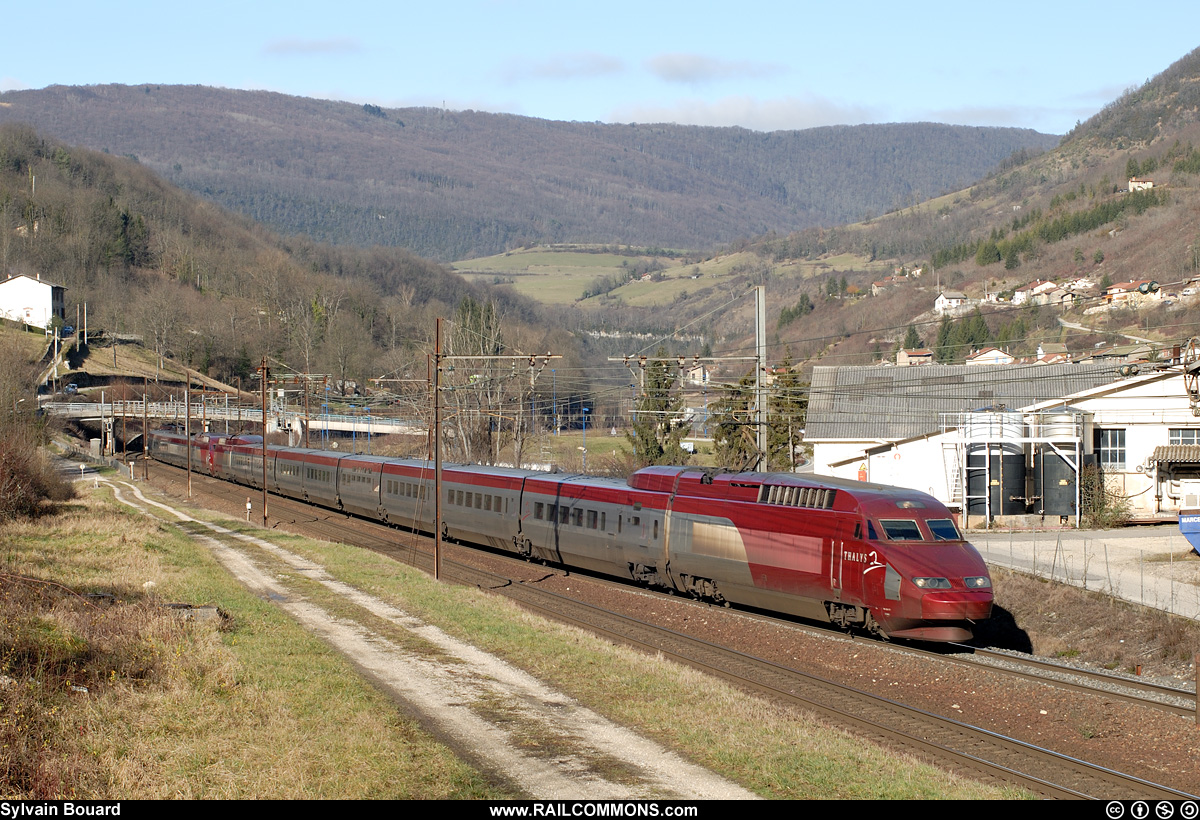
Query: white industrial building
(1013, 436)
(32, 301)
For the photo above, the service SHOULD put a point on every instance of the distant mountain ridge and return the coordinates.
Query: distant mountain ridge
(455, 184)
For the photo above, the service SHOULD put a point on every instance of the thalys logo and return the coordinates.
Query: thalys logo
(870, 558)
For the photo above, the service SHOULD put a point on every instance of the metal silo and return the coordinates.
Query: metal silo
(1055, 479)
(995, 463)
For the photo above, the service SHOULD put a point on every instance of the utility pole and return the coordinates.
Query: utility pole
(437, 451)
(760, 384)
(264, 374)
(436, 401)
(760, 365)
(145, 436)
(187, 426)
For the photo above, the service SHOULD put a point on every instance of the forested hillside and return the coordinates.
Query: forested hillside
(1067, 217)
(213, 289)
(457, 184)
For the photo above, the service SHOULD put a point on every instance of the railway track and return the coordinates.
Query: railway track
(953, 744)
(1170, 699)
(1175, 700)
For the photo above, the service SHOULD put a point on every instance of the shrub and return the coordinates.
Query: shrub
(1101, 506)
(26, 476)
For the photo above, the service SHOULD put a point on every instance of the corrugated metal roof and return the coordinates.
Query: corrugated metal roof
(1177, 453)
(892, 403)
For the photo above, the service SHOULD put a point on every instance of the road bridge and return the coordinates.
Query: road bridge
(218, 416)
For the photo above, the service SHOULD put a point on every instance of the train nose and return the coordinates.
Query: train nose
(956, 605)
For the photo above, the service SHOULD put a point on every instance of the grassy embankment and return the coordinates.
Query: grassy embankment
(259, 708)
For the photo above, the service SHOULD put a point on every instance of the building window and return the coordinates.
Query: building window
(1184, 435)
(1111, 448)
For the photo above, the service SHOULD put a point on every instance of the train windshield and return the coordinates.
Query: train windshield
(902, 529)
(907, 529)
(943, 529)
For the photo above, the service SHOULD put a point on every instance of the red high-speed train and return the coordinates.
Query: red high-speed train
(885, 559)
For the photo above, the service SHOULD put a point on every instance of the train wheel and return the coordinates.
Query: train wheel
(874, 629)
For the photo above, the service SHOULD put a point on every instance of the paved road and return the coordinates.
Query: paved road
(1086, 329)
(1153, 565)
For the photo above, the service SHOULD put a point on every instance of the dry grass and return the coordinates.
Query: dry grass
(1064, 621)
(27, 478)
(263, 710)
(107, 693)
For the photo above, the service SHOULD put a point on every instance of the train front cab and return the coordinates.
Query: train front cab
(921, 579)
(169, 446)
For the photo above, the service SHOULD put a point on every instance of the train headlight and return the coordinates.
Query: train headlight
(978, 582)
(932, 583)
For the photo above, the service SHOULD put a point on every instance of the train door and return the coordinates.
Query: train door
(846, 562)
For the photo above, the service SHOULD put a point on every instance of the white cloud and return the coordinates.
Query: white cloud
(563, 67)
(695, 69)
(788, 113)
(329, 45)
(11, 84)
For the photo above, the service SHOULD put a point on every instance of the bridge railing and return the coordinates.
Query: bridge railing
(176, 411)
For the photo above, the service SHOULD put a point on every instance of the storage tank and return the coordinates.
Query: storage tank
(995, 463)
(1055, 480)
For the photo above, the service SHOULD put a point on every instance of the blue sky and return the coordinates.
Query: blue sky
(760, 65)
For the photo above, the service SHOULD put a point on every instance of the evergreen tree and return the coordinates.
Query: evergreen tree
(988, 253)
(734, 438)
(788, 410)
(943, 350)
(734, 442)
(658, 430)
(912, 339)
(1012, 260)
